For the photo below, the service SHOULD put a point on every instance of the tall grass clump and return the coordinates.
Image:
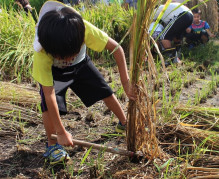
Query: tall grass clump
(6, 3)
(112, 19)
(141, 132)
(36, 4)
(17, 34)
(204, 54)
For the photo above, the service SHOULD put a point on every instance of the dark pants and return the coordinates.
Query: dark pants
(197, 38)
(177, 26)
(84, 79)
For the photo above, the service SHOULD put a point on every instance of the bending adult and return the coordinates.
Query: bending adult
(176, 19)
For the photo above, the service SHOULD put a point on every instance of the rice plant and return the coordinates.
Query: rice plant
(17, 34)
(113, 19)
(142, 112)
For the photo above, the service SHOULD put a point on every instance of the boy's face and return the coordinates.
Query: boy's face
(196, 18)
(68, 58)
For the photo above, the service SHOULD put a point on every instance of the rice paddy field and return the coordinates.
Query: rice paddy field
(185, 105)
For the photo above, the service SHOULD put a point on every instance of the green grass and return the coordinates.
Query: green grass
(18, 30)
(17, 33)
(207, 54)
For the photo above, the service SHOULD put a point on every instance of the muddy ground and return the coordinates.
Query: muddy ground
(22, 135)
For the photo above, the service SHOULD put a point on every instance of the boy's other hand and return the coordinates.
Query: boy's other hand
(129, 90)
(65, 139)
(188, 30)
(212, 35)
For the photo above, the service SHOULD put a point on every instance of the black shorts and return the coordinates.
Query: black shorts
(84, 79)
(177, 26)
(196, 38)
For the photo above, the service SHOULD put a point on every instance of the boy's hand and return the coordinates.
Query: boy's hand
(129, 90)
(65, 139)
(188, 30)
(212, 35)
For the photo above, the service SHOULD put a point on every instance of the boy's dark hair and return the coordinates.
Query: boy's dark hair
(61, 32)
(196, 11)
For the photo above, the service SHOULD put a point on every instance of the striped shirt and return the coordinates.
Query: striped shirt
(197, 28)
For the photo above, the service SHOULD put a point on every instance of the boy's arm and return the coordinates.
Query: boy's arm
(121, 63)
(209, 33)
(63, 137)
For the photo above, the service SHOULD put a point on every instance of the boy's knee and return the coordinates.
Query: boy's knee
(204, 39)
(166, 43)
(109, 98)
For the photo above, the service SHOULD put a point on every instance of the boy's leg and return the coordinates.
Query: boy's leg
(54, 152)
(113, 104)
(204, 37)
(166, 43)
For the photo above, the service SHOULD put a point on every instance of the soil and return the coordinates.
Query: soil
(22, 136)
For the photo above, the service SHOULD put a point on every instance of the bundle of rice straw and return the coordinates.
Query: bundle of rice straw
(141, 132)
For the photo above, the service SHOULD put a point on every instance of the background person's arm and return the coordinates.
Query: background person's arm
(209, 33)
(188, 30)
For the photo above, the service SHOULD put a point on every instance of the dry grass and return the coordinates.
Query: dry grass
(19, 102)
(16, 93)
(141, 134)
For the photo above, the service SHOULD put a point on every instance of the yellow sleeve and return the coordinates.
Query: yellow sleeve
(95, 38)
(42, 68)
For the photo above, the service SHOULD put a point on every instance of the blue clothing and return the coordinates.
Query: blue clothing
(197, 33)
(203, 25)
(132, 3)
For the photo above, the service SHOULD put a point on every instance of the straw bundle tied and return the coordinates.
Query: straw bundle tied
(18, 102)
(141, 132)
(18, 94)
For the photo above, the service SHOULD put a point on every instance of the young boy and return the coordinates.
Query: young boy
(60, 62)
(199, 31)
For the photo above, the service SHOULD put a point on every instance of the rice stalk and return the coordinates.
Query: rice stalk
(208, 117)
(198, 109)
(141, 132)
(172, 133)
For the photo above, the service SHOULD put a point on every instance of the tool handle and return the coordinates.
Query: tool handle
(99, 147)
